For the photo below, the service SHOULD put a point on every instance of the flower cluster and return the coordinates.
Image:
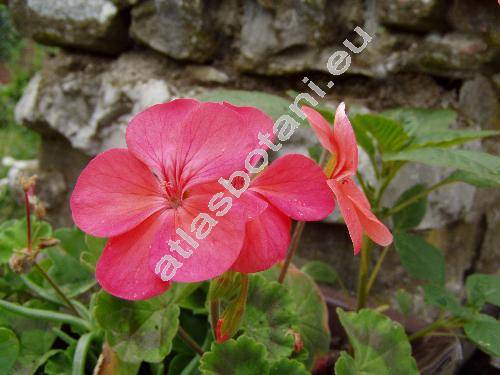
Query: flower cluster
(170, 185)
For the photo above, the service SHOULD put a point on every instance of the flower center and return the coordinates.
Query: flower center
(175, 202)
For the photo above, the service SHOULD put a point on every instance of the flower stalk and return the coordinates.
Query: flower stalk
(376, 269)
(28, 186)
(363, 274)
(294, 244)
(438, 324)
(189, 341)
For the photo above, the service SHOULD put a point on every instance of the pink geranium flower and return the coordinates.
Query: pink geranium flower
(166, 181)
(292, 187)
(354, 205)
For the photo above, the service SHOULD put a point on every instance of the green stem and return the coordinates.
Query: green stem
(40, 292)
(428, 329)
(363, 185)
(64, 336)
(189, 341)
(439, 323)
(82, 348)
(245, 284)
(50, 316)
(363, 273)
(56, 288)
(416, 197)
(385, 185)
(376, 269)
(294, 244)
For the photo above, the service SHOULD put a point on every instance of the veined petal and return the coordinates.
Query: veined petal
(345, 145)
(152, 134)
(321, 128)
(297, 186)
(123, 268)
(114, 193)
(355, 193)
(374, 229)
(349, 213)
(214, 142)
(214, 253)
(266, 241)
(255, 119)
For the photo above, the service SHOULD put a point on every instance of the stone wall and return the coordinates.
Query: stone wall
(118, 57)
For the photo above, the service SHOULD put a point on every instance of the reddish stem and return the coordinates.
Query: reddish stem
(28, 219)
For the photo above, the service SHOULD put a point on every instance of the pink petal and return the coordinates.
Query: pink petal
(377, 231)
(355, 193)
(346, 148)
(255, 119)
(321, 127)
(349, 213)
(214, 142)
(297, 186)
(152, 134)
(374, 229)
(123, 268)
(114, 193)
(258, 120)
(266, 242)
(215, 253)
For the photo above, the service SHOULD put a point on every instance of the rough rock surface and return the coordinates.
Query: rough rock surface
(451, 55)
(97, 25)
(179, 29)
(90, 100)
(418, 15)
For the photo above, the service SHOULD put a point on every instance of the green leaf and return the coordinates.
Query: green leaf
(448, 138)
(64, 267)
(269, 316)
(72, 240)
(473, 179)
(288, 367)
(422, 260)
(90, 256)
(179, 363)
(389, 135)
(320, 272)
(483, 288)
(404, 301)
(479, 163)
(9, 350)
(438, 296)
(273, 105)
(138, 330)
(422, 120)
(380, 345)
(410, 216)
(244, 356)
(68, 273)
(310, 308)
(35, 338)
(61, 363)
(13, 236)
(315, 153)
(484, 331)
(81, 246)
